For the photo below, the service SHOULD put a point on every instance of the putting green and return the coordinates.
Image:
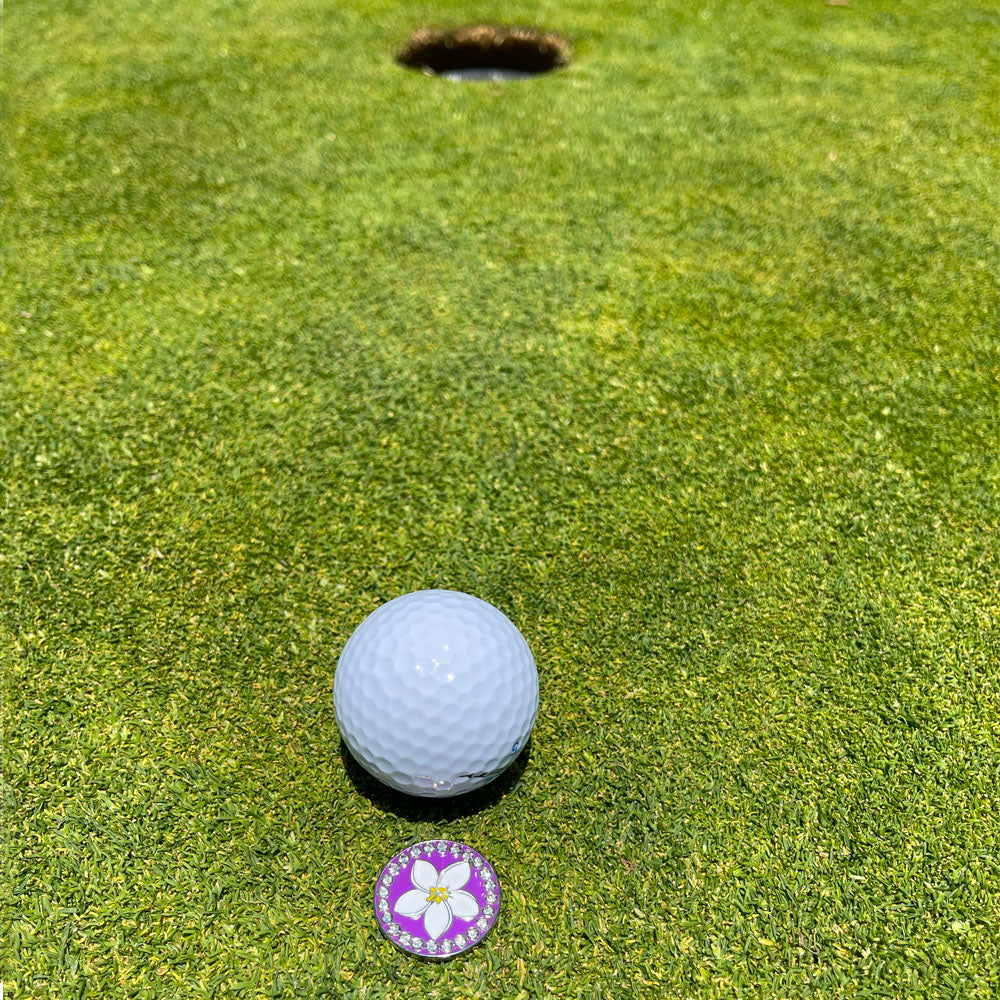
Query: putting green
(684, 356)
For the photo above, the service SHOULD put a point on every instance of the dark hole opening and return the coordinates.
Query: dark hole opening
(483, 47)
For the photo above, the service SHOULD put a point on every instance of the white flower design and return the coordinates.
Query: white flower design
(438, 897)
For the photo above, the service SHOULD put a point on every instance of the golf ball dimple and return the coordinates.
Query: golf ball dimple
(436, 693)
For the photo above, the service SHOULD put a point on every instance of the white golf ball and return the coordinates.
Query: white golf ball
(436, 693)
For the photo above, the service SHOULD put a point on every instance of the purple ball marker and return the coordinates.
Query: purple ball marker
(437, 898)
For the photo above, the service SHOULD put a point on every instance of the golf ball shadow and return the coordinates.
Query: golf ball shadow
(412, 807)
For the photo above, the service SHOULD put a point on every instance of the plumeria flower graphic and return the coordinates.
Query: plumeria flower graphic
(438, 897)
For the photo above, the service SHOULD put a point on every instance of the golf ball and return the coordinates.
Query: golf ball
(436, 693)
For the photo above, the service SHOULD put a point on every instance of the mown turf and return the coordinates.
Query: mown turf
(685, 357)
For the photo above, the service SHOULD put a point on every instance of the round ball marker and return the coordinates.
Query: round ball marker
(437, 898)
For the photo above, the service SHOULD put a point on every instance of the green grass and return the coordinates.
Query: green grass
(685, 357)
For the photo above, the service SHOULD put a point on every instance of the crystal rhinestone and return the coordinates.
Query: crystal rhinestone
(490, 898)
(393, 928)
(446, 946)
(459, 940)
(482, 921)
(387, 880)
(416, 942)
(488, 911)
(477, 862)
(393, 869)
(383, 892)
(432, 946)
(404, 938)
(466, 855)
(441, 847)
(473, 933)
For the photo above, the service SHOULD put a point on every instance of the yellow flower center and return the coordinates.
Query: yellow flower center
(438, 894)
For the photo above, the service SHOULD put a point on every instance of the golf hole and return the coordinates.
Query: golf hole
(484, 52)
